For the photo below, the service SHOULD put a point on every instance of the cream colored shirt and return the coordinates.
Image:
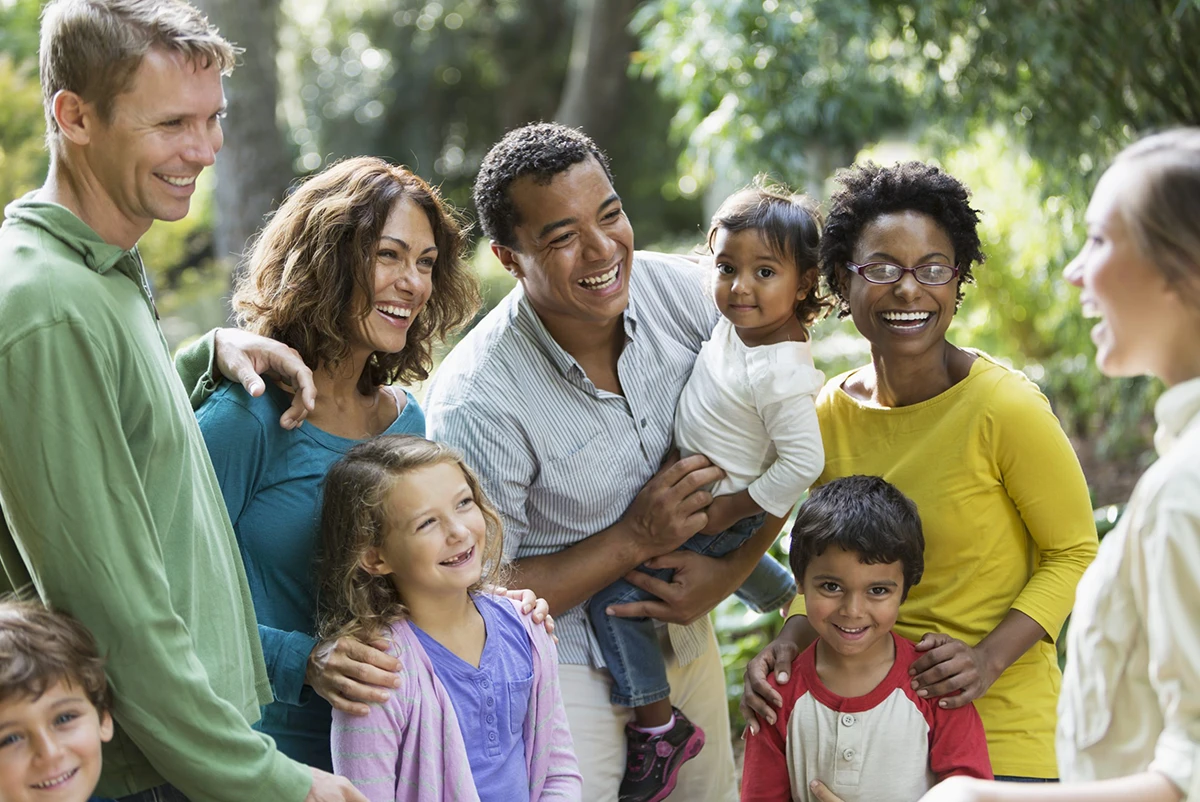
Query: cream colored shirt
(1131, 691)
(751, 411)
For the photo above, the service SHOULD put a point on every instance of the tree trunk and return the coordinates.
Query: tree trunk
(597, 74)
(253, 169)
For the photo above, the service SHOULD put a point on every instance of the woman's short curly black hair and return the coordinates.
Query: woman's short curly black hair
(870, 190)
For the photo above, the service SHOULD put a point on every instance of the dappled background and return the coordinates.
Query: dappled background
(1025, 101)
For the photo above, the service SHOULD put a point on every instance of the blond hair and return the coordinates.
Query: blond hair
(1162, 208)
(351, 601)
(94, 47)
(318, 249)
(41, 647)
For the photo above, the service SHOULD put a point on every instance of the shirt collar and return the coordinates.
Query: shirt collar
(1177, 410)
(527, 321)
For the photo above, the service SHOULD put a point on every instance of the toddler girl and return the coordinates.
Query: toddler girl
(408, 542)
(749, 407)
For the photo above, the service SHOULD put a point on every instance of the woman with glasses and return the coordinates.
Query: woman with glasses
(1003, 502)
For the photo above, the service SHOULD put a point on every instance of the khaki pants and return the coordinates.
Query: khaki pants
(598, 727)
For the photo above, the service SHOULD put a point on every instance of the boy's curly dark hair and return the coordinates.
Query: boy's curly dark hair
(870, 190)
(863, 514)
(541, 150)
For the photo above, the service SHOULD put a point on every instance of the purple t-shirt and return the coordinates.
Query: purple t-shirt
(491, 701)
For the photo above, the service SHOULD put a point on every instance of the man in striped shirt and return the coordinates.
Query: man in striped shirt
(562, 398)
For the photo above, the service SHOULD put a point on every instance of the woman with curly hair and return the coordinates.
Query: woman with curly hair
(1003, 501)
(361, 271)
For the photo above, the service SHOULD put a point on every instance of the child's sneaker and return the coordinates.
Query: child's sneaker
(653, 761)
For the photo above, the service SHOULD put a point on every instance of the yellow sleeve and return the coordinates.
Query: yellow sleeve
(798, 607)
(1041, 474)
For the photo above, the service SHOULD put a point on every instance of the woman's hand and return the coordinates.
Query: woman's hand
(956, 789)
(759, 699)
(350, 674)
(822, 793)
(533, 606)
(950, 665)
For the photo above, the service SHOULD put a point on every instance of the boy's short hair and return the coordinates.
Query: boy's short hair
(865, 515)
(41, 647)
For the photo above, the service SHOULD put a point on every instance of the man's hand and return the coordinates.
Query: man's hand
(760, 700)
(245, 358)
(536, 608)
(670, 507)
(348, 673)
(699, 585)
(331, 788)
(950, 665)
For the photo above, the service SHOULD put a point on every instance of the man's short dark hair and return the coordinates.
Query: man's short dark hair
(865, 515)
(540, 150)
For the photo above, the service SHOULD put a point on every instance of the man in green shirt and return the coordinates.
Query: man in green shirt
(111, 510)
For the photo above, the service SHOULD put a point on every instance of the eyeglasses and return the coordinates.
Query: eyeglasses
(932, 275)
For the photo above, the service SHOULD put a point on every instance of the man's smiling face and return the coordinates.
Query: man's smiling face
(574, 247)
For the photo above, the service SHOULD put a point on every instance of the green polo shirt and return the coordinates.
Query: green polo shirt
(112, 513)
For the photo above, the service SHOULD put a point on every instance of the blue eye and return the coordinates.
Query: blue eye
(9, 740)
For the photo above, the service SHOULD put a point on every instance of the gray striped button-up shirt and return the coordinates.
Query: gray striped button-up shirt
(560, 458)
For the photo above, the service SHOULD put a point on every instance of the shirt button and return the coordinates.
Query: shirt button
(847, 720)
(490, 701)
(485, 683)
(643, 423)
(490, 718)
(491, 736)
(848, 754)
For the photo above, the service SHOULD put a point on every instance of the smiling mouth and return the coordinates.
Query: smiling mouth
(56, 781)
(602, 281)
(394, 312)
(851, 632)
(906, 320)
(177, 181)
(459, 559)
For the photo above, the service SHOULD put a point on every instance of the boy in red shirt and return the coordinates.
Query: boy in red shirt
(850, 718)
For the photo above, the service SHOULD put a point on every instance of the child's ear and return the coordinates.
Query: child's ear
(106, 727)
(808, 280)
(372, 561)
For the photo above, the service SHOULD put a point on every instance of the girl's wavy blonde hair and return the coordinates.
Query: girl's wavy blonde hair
(351, 601)
(316, 256)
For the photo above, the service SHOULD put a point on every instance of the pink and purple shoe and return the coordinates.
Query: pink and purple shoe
(653, 761)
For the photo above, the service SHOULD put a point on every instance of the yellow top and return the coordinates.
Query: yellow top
(1008, 525)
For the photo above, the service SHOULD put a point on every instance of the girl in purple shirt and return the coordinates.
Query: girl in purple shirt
(408, 541)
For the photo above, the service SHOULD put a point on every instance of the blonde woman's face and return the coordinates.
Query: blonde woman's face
(404, 260)
(1139, 314)
(436, 534)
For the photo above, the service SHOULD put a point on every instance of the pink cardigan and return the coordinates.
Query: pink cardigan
(410, 748)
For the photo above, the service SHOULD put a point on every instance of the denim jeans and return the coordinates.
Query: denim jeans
(630, 645)
(162, 793)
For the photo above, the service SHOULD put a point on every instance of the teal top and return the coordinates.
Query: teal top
(271, 480)
(112, 513)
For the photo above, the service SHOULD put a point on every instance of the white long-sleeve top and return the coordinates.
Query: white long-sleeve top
(752, 412)
(1130, 697)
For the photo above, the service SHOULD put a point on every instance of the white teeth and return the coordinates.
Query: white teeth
(601, 281)
(394, 311)
(459, 559)
(900, 316)
(66, 775)
(176, 181)
(1090, 310)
